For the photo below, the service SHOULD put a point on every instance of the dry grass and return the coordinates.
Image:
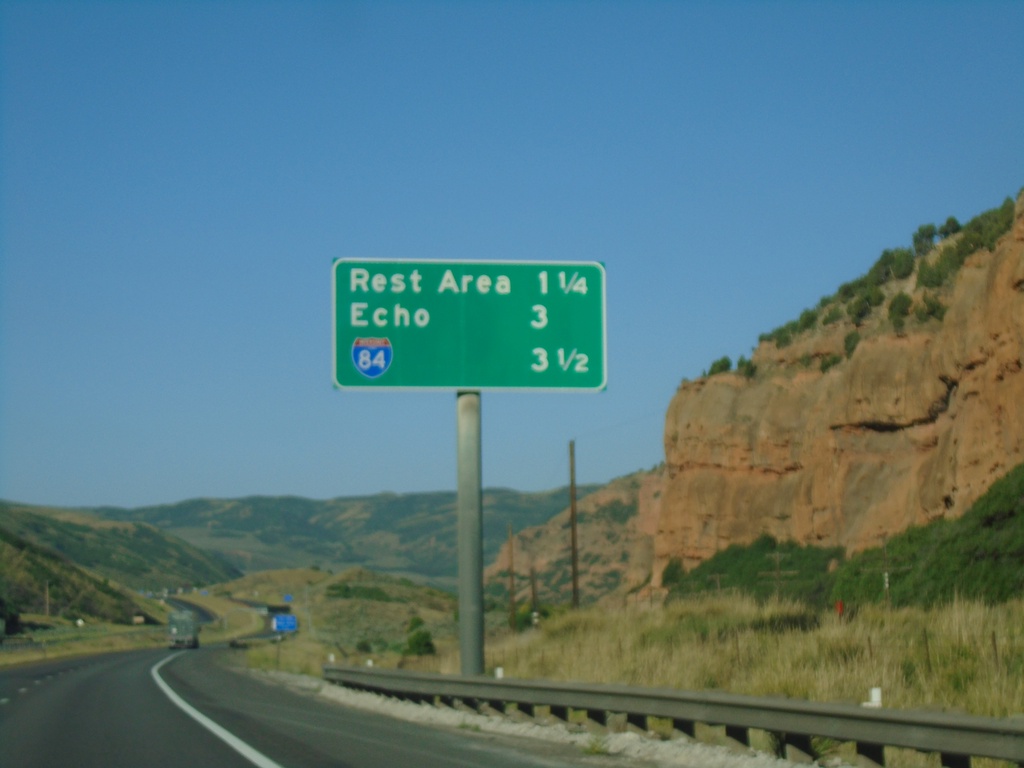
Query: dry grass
(965, 657)
(296, 654)
(89, 640)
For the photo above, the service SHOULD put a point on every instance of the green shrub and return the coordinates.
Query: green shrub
(673, 573)
(850, 342)
(930, 275)
(783, 335)
(924, 239)
(346, 591)
(830, 361)
(899, 308)
(746, 367)
(808, 320)
(834, 315)
(848, 290)
(420, 643)
(858, 309)
(902, 263)
(930, 307)
(721, 365)
(951, 227)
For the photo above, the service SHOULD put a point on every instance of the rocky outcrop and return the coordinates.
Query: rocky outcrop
(911, 428)
(616, 526)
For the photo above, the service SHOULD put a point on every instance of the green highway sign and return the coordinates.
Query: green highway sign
(469, 325)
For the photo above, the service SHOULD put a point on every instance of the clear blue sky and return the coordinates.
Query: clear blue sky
(178, 177)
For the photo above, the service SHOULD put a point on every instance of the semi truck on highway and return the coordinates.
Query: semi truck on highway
(183, 630)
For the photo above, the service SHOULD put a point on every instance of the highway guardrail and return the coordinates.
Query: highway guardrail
(957, 738)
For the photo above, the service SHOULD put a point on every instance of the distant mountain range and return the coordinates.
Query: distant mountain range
(410, 535)
(209, 541)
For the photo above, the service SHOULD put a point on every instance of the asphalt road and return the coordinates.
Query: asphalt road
(115, 710)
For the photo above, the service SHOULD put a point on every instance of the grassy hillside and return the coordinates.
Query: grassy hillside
(31, 576)
(138, 556)
(357, 613)
(764, 569)
(406, 534)
(979, 556)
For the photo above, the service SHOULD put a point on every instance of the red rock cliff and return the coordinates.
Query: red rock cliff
(910, 428)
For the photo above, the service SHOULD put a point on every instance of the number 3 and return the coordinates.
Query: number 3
(542, 360)
(542, 316)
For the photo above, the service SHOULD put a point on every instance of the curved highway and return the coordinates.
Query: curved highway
(164, 708)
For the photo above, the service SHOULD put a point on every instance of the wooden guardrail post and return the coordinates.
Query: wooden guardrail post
(739, 734)
(797, 748)
(955, 761)
(559, 712)
(870, 754)
(637, 722)
(687, 728)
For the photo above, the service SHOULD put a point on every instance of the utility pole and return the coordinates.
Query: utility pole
(572, 526)
(309, 614)
(511, 581)
(533, 589)
(778, 573)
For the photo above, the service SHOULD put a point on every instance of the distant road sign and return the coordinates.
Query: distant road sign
(469, 325)
(285, 622)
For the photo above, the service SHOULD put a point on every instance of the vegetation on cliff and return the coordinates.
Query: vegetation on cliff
(934, 263)
(979, 556)
(761, 570)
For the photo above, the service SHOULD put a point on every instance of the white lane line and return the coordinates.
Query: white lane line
(253, 756)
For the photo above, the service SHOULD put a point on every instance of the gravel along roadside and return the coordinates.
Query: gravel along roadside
(629, 748)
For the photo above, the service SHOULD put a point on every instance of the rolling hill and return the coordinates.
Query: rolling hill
(411, 535)
(36, 580)
(136, 555)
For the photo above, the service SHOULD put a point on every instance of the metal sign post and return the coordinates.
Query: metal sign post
(469, 507)
(466, 326)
